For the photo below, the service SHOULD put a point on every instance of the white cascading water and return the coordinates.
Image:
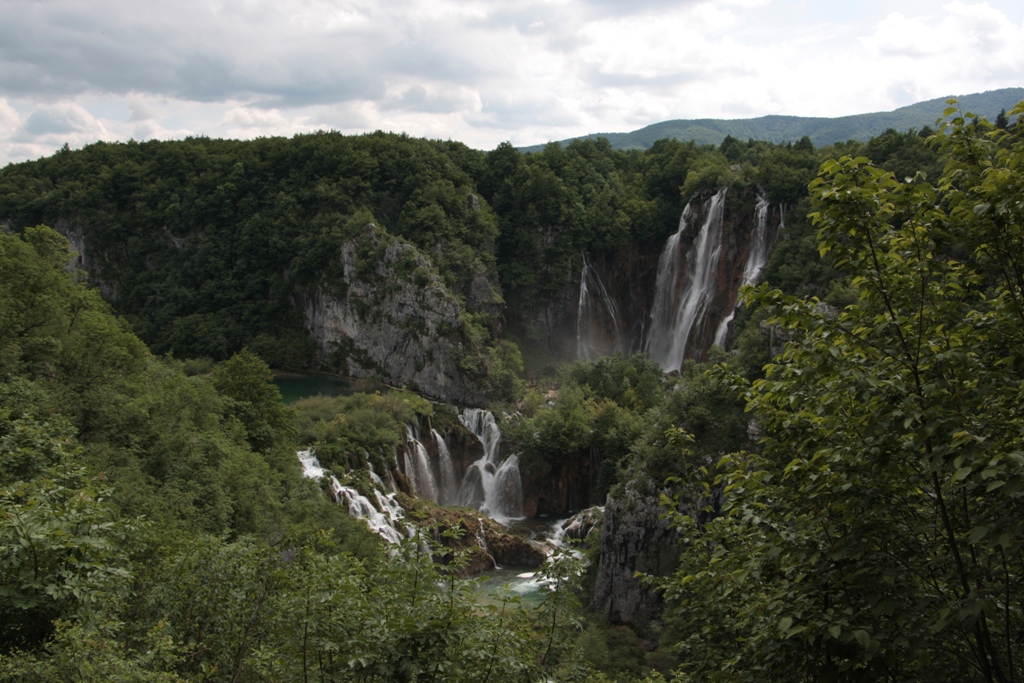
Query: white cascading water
(417, 467)
(376, 479)
(383, 521)
(493, 485)
(389, 506)
(310, 465)
(756, 258)
(678, 310)
(481, 540)
(359, 506)
(448, 491)
(587, 309)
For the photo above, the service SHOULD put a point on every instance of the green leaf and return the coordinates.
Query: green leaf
(977, 534)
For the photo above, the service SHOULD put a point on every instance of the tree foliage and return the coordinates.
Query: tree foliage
(877, 535)
(155, 526)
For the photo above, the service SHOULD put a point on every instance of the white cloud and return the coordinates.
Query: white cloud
(140, 109)
(10, 121)
(250, 122)
(480, 71)
(66, 120)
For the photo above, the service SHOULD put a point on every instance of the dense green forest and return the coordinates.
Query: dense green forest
(156, 527)
(208, 246)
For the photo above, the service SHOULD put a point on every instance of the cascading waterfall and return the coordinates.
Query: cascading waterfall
(756, 258)
(677, 311)
(310, 465)
(417, 467)
(588, 309)
(376, 479)
(481, 540)
(662, 311)
(383, 519)
(388, 505)
(359, 506)
(492, 485)
(448, 492)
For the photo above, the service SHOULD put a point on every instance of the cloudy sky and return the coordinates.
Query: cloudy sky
(479, 71)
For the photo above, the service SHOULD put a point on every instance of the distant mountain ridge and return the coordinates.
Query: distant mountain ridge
(821, 130)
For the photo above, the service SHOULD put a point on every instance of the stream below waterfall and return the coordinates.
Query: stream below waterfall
(519, 581)
(386, 518)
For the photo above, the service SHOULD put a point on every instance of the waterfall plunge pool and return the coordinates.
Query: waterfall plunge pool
(521, 582)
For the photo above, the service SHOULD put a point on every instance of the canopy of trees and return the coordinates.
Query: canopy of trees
(877, 534)
(204, 245)
(154, 524)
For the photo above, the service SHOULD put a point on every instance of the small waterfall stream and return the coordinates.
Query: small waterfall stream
(417, 466)
(590, 308)
(448, 492)
(679, 308)
(384, 525)
(757, 256)
(310, 465)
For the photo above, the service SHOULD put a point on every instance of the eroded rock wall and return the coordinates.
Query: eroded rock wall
(567, 488)
(634, 538)
(389, 315)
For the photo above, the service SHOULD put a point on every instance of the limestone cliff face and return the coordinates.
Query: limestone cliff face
(389, 315)
(80, 261)
(568, 487)
(614, 315)
(616, 291)
(634, 538)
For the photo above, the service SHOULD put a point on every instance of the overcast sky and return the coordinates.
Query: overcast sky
(478, 71)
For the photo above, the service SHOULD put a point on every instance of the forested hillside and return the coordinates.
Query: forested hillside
(155, 525)
(834, 496)
(821, 130)
(209, 246)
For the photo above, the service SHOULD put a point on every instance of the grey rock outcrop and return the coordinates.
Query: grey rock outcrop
(389, 315)
(579, 526)
(76, 243)
(78, 259)
(634, 538)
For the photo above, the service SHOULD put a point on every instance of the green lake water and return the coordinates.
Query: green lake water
(521, 582)
(296, 387)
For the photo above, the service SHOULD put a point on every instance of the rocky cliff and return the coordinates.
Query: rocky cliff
(634, 539)
(390, 316)
(609, 303)
(568, 487)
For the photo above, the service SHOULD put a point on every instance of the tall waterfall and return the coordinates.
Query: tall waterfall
(681, 307)
(594, 303)
(417, 466)
(448, 491)
(492, 485)
(757, 256)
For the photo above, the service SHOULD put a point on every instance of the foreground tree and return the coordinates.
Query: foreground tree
(878, 534)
